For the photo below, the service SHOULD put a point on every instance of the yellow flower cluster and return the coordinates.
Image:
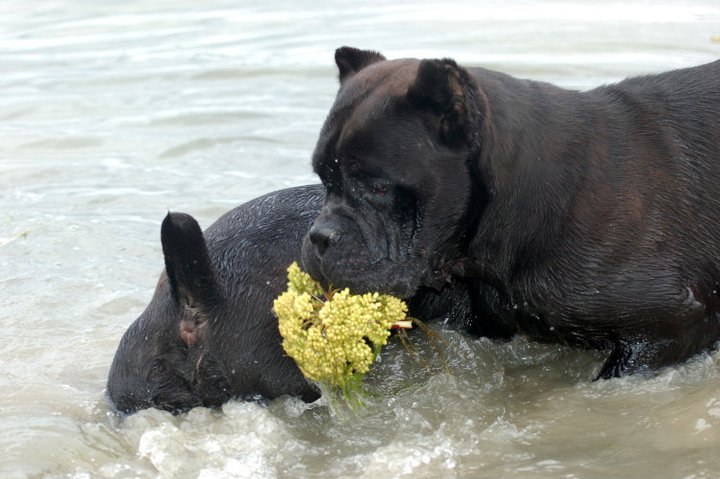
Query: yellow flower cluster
(334, 337)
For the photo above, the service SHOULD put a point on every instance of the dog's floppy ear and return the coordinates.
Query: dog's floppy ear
(351, 60)
(187, 262)
(441, 89)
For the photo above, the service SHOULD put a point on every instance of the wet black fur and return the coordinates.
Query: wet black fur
(586, 218)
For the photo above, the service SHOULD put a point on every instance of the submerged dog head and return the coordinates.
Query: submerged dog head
(209, 334)
(395, 157)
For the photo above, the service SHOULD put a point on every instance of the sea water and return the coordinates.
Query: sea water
(113, 113)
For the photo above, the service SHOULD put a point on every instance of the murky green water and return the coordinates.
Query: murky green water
(113, 113)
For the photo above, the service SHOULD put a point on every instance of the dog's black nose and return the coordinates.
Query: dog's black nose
(322, 236)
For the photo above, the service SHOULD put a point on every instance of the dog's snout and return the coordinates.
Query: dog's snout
(323, 236)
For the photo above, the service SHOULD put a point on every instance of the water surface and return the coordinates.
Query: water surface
(111, 114)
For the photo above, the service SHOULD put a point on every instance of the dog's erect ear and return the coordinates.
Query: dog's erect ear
(440, 88)
(187, 262)
(351, 60)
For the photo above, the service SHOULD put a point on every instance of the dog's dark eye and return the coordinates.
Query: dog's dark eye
(381, 189)
(377, 191)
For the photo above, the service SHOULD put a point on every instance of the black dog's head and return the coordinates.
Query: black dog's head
(395, 157)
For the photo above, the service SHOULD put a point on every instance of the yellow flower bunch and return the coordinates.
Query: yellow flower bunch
(334, 336)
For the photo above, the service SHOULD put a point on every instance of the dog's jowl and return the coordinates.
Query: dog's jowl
(588, 218)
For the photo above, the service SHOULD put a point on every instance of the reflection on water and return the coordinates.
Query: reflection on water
(111, 114)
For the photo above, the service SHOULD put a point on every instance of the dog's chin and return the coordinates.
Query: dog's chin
(403, 288)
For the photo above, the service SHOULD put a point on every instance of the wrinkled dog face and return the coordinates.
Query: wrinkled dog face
(393, 156)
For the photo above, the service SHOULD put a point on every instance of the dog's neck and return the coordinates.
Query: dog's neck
(527, 162)
(518, 112)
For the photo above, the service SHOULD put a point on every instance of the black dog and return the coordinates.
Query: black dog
(209, 334)
(587, 218)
